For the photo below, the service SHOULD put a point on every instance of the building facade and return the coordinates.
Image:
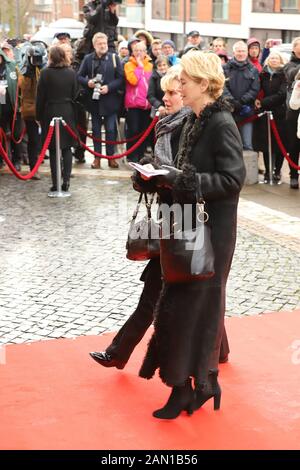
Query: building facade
(231, 19)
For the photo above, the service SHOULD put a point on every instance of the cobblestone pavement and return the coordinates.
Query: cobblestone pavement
(63, 268)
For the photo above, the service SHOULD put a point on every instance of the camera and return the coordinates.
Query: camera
(32, 55)
(97, 90)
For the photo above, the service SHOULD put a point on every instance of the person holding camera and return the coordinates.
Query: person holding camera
(101, 17)
(101, 75)
(34, 60)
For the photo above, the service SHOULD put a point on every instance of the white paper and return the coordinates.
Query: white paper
(148, 170)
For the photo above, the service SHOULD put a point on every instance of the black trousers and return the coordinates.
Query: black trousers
(137, 324)
(66, 165)
(34, 142)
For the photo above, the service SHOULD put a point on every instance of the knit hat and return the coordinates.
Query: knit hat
(123, 45)
(252, 42)
(169, 42)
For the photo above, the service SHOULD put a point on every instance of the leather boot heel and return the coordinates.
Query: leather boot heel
(207, 390)
(217, 401)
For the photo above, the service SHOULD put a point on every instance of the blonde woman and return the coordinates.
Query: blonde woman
(190, 317)
(272, 97)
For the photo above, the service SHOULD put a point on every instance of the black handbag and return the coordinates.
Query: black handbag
(187, 255)
(143, 236)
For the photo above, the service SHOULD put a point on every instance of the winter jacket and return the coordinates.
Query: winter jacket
(155, 93)
(241, 86)
(100, 19)
(56, 92)
(273, 97)
(110, 67)
(28, 87)
(9, 74)
(137, 83)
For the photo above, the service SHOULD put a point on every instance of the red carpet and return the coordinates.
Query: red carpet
(53, 396)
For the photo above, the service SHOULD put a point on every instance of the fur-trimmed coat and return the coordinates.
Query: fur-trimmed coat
(190, 317)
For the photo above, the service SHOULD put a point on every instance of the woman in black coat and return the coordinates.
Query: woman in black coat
(56, 92)
(190, 316)
(272, 97)
(167, 133)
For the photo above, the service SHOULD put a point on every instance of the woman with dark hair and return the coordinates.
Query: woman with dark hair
(56, 92)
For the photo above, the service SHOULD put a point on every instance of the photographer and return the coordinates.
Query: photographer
(101, 17)
(34, 60)
(101, 75)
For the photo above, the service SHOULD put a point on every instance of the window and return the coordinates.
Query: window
(263, 6)
(193, 10)
(289, 5)
(159, 9)
(220, 10)
(174, 9)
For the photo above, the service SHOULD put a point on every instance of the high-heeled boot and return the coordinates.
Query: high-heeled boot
(207, 390)
(181, 398)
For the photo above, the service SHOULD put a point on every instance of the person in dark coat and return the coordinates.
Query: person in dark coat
(103, 68)
(242, 87)
(190, 316)
(272, 97)
(101, 17)
(291, 69)
(155, 93)
(168, 132)
(56, 92)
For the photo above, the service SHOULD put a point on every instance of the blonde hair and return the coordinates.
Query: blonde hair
(295, 41)
(282, 59)
(99, 36)
(173, 73)
(200, 65)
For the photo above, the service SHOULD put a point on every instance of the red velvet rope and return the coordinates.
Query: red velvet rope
(249, 119)
(109, 142)
(39, 160)
(120, 155)
(281, 146)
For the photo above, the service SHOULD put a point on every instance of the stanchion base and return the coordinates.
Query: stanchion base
(59, 194)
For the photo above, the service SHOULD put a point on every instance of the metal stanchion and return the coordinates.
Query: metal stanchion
(269, 117)
(58, 192)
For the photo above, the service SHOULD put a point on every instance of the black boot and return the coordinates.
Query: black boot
(207, 390)
(181, 398)
(65, 186)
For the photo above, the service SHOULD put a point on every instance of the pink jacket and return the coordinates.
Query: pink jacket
(137, 83)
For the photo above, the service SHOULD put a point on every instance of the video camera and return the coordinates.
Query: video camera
(33, 55)
(98, 83)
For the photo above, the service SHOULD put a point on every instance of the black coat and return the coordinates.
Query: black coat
(189, 317)
(56, 92)
(111, 69)
(241, 86)
(274, 98)
(155, 93)
(100, 19)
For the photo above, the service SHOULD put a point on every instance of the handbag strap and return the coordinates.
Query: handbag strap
(148, 205)
(202, 215)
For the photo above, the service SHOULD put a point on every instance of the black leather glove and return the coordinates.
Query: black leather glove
(167, 181)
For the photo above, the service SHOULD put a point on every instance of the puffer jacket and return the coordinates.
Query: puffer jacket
(137, 83)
